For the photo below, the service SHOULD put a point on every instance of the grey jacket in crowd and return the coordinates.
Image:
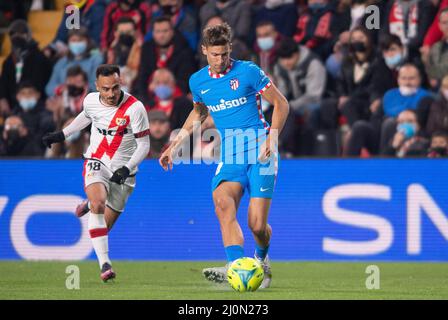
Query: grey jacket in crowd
(305, 84)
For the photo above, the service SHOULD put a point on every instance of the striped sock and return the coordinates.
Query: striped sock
(99, 235)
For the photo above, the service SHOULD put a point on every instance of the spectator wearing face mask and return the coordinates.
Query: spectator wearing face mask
(409, 20)
(437, 64)
(394, 56)
(281, 13)
(31, 109)
(167, 49)
(438, 112)
(164, 95)
(183, 18)
(266, 45)
(25, 63)
(69, 96)
(125, 51)
(407, 140)
(361, 85)
(159, 127)
(17, 141)
(138, 10)
(82, 53)
(439, 145)
(375, 135)
(91, 15)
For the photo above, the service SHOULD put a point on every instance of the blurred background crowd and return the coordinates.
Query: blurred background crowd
(353, 91)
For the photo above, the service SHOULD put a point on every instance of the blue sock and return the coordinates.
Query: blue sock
(234, 252)
(261, 252)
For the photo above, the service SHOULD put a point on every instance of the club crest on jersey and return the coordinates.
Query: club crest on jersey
(234, 84)
(120, 121)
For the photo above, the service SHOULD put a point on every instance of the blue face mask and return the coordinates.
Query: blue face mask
(394, 61)
(408, 129)
(28, 104)
(163, 92)
(77, 48)
(265, 43)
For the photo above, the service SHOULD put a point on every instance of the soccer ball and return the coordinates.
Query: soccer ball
(245, 274)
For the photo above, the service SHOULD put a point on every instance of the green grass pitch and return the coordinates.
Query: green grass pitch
(183, 280)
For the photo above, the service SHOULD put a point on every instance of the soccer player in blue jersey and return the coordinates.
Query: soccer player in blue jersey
(230, 91)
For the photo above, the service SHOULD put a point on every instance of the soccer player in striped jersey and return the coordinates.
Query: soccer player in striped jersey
(119, 142)
(230, 91)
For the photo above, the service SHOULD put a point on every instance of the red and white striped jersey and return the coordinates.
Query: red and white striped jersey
(114, 129)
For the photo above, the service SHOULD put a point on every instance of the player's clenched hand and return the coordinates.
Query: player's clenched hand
(120, 175)
(267, 149)
(53, 137)
(166, 159)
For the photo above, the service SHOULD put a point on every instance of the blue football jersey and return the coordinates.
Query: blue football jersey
(233, 99)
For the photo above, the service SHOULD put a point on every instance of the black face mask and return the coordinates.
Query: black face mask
(358, 46)
(14, 142)
(439, 150)
(74, 91)
(19, 44)
(126, 40)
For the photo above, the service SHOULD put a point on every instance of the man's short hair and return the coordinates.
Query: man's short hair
(218, 35)
(81, 32)
(107, 70)
(264, 23)
(19, 27)
(287, 48)
(441, 134)
(388, 40)
(412, 65)
(162, 19)
(124, 20)
(75, 71)
(26, 84)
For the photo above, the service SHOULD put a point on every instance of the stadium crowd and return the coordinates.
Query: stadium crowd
(353, 91)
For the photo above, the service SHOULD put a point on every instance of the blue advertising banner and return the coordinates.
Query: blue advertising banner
(383, 210)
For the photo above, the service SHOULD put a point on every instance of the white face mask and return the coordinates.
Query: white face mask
(407, 91)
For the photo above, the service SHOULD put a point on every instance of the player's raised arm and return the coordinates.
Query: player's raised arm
(197, 115)
(79, 123)
(279, 116)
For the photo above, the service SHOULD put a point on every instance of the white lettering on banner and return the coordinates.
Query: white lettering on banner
(54, 204)
(3, 203)
(357, 219)
(420, 200)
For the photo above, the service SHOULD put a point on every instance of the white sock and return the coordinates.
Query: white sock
(99, 235)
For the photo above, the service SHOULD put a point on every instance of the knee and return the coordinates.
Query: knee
(360, 126)
(223, 206)
(97, 206)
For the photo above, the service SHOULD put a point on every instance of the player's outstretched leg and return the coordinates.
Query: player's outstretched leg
(226, 198)
(262, 231)
(98, 229)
